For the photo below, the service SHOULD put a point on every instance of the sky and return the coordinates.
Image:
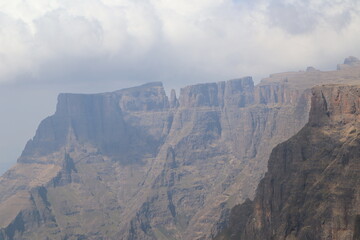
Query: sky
(53, 46)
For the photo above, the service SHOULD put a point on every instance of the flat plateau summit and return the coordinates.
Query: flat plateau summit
(137, 164)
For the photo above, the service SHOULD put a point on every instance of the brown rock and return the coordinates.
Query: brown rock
(132, 164)
(310, 190)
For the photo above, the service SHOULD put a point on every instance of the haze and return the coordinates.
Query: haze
(47, 47)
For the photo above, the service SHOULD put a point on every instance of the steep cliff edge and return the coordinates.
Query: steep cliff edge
(215, 152)
(100, 120)
(133, 164)
(311, 189)
(83, 158)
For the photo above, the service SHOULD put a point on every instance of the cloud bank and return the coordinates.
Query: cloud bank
(52, 46)
(171, 41)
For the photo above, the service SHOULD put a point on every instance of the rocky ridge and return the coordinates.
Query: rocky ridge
(133, 164)
(311, 189)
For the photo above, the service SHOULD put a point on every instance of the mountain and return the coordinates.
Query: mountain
(311, 189)
(135, 164)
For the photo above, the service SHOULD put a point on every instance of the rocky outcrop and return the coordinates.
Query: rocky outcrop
(99, 120)
(96, 119)
(148, 97)
(133, 164)
(174, 103)
(238, 93)
(311, 188)
(311, 69)
(349, 62)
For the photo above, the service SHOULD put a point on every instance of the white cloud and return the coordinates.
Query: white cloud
(101, 45)
(166, 39)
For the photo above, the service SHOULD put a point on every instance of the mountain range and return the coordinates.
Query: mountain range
(137, 164)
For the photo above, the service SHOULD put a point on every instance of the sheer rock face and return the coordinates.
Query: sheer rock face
(349, 62)
(311, 189)
(133, 164)
(238, 93)
(96, 119)
(149, 97)
(214, 156)
(106, 121)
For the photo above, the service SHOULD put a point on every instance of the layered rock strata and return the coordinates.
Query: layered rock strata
(311, 189)
(133, 164)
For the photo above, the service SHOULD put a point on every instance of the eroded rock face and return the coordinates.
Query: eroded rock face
(94, 119)
(349, 62)
(238, 93)
(310, 190)
(133, 164)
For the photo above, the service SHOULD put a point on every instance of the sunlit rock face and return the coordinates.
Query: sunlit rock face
(311, 188)
(135, 164)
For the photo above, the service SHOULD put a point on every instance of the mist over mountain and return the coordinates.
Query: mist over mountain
(102, 45)
(138, 164)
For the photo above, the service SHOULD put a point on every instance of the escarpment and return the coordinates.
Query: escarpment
(311, 189)
(135, 164)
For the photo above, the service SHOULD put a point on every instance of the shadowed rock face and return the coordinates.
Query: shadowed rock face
(349, 62)
(133, 164)
(311, 189)
(100, 120)
(232, 93)
(95, 119)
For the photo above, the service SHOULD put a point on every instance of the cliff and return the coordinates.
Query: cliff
(135, 164)
(311, 188)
